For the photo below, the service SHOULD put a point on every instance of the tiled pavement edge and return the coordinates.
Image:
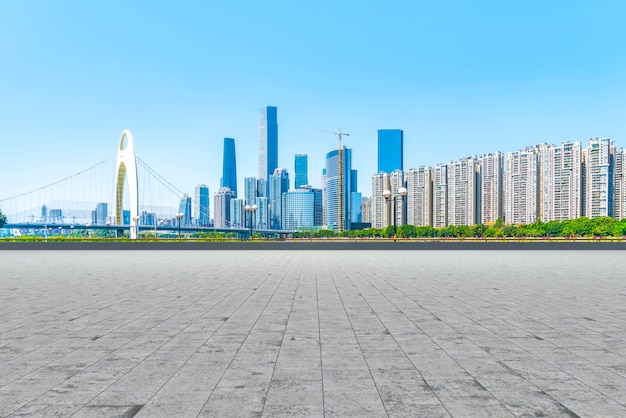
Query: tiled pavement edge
(312, 333)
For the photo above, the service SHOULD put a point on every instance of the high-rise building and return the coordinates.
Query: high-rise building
(99, 215)
(279, 184)
(521, 187)
(262, 214)
(262, 188)
(397, 202)
(323, 183)
(463, 195)
(236, 213)
(221, 207)
(331, 208)
(302, 208)
(229, 168)
(301, 170)
(491, 187)
(420, 196)
(201, 209)
(379, 215)
(561, 184)
(185, 208)
(598, 178)
(366, 210)
(619, 199)
(390, 150)
(250, 190)
(44, 213)
(356, 208)
(147, 218)
(268, 142)
(440, 196)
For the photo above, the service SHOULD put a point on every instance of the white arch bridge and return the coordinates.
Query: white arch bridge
(138, 201)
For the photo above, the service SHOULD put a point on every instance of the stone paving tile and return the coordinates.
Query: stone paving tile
(312, 333)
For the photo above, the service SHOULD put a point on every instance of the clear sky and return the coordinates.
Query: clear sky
(459, 77)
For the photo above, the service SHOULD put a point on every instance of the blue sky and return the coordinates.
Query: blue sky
(459, 77)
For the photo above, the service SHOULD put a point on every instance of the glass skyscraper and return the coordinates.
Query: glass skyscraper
(185, 209)
(302, 208)
(268, 142)
(222, 207)
(279, 184)
(301, 166)
(201, 205)
(331, 198)
(229, 167)
(390, 150)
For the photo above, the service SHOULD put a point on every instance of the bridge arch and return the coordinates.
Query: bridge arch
(126, 168)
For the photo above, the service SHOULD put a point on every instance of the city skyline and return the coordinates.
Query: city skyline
(484, 83)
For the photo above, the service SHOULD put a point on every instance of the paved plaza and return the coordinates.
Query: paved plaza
(312, 333)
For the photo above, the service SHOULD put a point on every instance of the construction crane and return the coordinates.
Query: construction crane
(339, 174)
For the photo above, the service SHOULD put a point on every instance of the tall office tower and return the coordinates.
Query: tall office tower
(301, 166)
(440, 196)
(302, 208)
(262, 188)
(332, 189)
(250, 190)
(260, 218)
(463, 192)
(366, 210)
(390, 150)
(619, 200)
(521, 187)
(185, 209)
(491, 187)
(356, 209)
(268, 142)
(44, 213)
(323, 183)
(236, 213)
(99, 215)
(598, 178)
(221, 207)
(201, 205)
(147, 219)
(279, 184)
(229, 168)
(562, 182)
(397, 203)
(379, 215)
(419, 183)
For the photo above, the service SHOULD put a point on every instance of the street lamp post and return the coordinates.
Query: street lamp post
(402, 191)
(251, 209)
(179, 216)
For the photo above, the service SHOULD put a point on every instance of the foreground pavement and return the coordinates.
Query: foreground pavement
(312, 333)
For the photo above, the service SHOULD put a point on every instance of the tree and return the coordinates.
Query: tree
(3, 219)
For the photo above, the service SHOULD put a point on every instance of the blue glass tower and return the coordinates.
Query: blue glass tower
(185, 209)
(229, 167)
(268, 142)
(390, 150)
(201, 205)
(301, 166)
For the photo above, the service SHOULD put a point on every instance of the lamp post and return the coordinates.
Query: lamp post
(179, 216)
(402, 191)
(251, 209)
(136, 226)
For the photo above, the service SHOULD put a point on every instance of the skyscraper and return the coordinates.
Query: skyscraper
(378, 205)
(221, 206)
(562, 181)
(279, 184)
(301, 166)
(99, 215)
(490, 188)
(332, 189)
(521, 187)
(440, 196)
(598, 179)
(236, 213)
(420, 196)
(249, 190)
(463, 193)
(268, 142)
(397, 203)
(229, 168)
(390, 150)
(185, 209)
(619, 205)
(201, 210)
(302, 208)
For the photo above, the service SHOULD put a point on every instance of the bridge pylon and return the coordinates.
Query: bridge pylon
(126, 168)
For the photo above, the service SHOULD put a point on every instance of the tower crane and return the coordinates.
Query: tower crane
(340, 188)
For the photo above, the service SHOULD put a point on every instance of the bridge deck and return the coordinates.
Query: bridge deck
(318, 333)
